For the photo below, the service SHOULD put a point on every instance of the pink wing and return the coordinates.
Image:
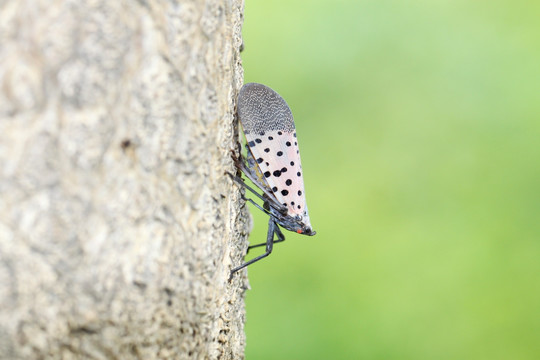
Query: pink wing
(277, 155)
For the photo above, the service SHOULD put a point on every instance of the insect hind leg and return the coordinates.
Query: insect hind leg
(280, 238)
(272, 226)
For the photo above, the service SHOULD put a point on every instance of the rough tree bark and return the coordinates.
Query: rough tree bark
(118, 227)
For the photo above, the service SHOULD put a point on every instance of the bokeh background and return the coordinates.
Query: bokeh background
(419, 129)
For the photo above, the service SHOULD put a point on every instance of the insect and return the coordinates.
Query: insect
(272, 164)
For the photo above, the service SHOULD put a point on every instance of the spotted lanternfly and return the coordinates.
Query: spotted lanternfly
(272, 163)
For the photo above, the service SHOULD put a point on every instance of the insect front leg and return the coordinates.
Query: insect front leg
(272, 226)
(240, 163)
(240, 181)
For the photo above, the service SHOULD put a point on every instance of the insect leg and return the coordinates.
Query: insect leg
(240, 164)
(280, 238)
(269, 245)
(278, 232)
(240, 181)
(257, 205)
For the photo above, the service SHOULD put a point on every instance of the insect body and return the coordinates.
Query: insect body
(273, 163)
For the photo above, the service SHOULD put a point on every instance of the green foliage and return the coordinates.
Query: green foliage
(419, 128)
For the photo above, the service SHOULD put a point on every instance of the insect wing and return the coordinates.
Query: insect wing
(270, 132)
(281, 169)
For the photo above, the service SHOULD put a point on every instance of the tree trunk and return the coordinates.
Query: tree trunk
(118, 227)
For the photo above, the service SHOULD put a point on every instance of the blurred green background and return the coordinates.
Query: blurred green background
(419, 129)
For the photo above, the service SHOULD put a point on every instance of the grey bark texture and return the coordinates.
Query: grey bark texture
(118, 227)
